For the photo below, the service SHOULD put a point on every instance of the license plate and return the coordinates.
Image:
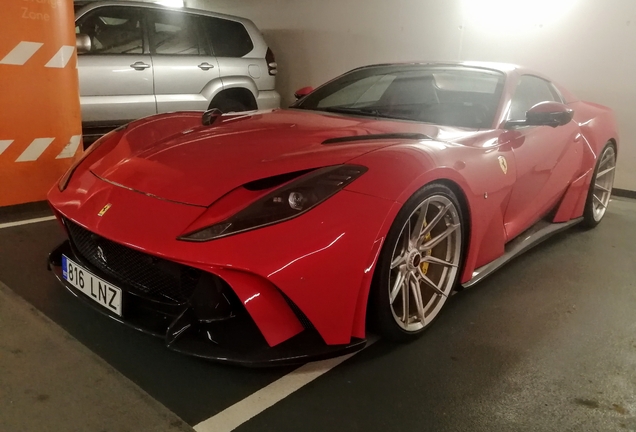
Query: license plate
(93, 287)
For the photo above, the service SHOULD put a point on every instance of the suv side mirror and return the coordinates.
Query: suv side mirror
(82, 43)
(544, 114)
(301, 93)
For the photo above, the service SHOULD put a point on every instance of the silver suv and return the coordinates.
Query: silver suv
(139, 59)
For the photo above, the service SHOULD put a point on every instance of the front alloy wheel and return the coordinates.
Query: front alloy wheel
(420, 263)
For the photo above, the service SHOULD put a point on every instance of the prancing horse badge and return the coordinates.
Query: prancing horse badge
(503, 164)
(104, 210)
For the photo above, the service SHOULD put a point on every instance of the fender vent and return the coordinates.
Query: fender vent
(307, 325)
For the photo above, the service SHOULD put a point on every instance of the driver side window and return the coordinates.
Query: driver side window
(530, 91)
(113, 30)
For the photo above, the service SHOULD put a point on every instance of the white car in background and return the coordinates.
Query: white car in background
(139, 59)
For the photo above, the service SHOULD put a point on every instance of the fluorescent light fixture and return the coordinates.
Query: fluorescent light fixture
(515, 14)
(171, 3)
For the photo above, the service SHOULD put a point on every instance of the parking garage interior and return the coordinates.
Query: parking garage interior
(546, 343)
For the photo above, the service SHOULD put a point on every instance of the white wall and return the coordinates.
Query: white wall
(587, 45)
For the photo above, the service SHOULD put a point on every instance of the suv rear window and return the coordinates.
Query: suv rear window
(228, 38)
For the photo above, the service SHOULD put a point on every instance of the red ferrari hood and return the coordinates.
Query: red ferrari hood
(175, 157)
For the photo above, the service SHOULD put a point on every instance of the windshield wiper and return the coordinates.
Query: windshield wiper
(348, 110)
(369, 112)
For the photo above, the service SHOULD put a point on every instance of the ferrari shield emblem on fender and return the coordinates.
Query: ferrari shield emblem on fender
(104, 210)
(502, 163)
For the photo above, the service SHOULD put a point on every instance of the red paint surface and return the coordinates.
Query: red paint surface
(324, 259)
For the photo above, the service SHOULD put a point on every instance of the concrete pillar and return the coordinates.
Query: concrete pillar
(40, 124)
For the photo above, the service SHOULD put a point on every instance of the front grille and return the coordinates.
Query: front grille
(150, 276)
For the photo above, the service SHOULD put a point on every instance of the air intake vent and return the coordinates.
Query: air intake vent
(377, 137)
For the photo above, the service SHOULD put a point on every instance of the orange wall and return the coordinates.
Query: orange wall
(40, 124)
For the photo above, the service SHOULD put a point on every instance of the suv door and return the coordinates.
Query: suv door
(547, 158)
(116, 76)
(184, 65)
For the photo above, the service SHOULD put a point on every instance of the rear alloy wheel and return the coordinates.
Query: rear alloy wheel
(600, 187)
(419, 265)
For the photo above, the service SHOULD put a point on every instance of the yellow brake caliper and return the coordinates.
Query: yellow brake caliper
(424, 265)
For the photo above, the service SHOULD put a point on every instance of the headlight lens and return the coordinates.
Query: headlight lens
(284, 203)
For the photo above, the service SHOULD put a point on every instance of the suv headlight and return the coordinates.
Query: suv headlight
(283, 204)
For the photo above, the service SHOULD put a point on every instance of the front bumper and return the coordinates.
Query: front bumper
(231, 338)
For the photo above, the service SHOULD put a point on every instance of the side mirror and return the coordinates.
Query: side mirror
(549, 114)
(82, 43)
(301, 93)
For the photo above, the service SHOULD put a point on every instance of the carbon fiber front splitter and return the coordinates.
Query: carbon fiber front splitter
(235, 340)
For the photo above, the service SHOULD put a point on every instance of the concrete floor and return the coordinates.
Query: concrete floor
(546, 344)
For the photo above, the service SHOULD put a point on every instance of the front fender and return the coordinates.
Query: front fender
(397, 172)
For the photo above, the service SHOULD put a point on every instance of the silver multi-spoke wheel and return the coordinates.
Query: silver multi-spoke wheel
(603, 182)
(425, 262)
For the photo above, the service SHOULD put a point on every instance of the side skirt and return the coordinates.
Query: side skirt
(531, 237)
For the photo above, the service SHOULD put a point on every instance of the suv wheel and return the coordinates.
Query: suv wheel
(229, 106)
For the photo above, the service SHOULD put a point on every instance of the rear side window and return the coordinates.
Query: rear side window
(228, 38)
(174, 33)
(113, 30)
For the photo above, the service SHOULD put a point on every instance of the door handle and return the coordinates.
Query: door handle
(139, 66)
(205, 66)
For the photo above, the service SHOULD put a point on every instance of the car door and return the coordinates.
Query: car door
(183, 62)
(546, 158)
(115, 75)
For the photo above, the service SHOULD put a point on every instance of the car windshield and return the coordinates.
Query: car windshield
(446, 95)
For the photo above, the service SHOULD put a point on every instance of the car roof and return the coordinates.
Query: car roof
(98, 3)
(505, 68)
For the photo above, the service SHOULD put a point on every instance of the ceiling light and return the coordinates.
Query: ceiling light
(514, 14)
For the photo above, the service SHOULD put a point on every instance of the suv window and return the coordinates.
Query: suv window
(530, 91)
(113, 30)
(228, 38)
(175, 33)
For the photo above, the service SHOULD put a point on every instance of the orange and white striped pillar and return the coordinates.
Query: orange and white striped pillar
(40, 123)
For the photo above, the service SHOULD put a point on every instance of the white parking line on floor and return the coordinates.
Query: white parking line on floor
(26, 222)
(234, 416)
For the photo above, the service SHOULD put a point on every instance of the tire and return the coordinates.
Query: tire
(229, 106)
(406, 259)
(600, 191)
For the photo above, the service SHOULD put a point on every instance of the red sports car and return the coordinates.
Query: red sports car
(275, 237)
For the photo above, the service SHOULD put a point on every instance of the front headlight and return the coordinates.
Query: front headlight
(284, 203)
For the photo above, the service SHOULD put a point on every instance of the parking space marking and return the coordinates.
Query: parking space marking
(26, 222)
(234, 416)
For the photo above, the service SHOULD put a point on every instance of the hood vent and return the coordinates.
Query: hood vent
(375, 137)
